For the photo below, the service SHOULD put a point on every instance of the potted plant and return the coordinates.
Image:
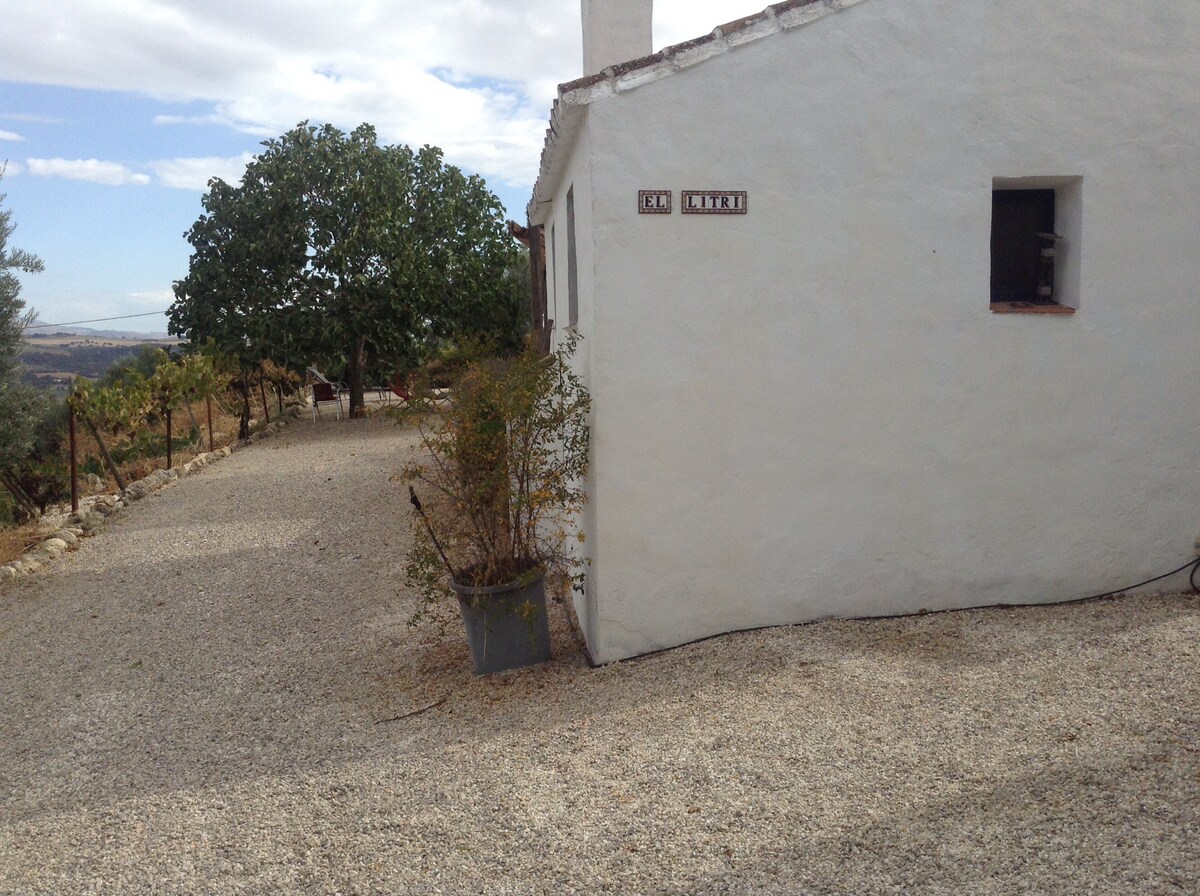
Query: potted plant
(502, 483)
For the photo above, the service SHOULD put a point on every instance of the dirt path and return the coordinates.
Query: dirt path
(211, 697)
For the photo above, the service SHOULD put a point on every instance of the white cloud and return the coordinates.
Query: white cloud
(9, 135)
(679, 20)
(188, 119)
(24, 117)
(8, 167)
(266, 65)
(194, 174)
(93, 171)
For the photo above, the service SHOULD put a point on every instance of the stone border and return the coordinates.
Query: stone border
(93, 512)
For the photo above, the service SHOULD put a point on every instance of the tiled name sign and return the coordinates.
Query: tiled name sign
(654, 202)
(693, 202)
(713, 202)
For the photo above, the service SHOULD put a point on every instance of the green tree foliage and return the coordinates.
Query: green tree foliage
(169, 387)
(148, 389)
(133, 367)
(40, 476)
(20, 406)
(337, 250)
(204, 375)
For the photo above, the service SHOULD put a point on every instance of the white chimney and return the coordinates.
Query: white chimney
(615, 31)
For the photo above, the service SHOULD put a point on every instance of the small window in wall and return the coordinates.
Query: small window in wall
(1034, 245)
(572, 265)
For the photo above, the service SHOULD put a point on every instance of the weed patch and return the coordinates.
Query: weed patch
(16, 541)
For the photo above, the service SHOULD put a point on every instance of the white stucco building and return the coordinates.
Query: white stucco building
(810, 403)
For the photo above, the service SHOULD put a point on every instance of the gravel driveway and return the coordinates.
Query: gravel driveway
(213, 696)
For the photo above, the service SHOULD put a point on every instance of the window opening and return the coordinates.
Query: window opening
(554, 270)
(572, 265)
(1036, 241)
(1023, 242)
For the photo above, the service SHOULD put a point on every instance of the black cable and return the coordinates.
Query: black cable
(95, 320)
(1194, 564)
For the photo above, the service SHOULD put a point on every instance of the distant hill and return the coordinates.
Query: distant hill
(52, 358)
(38, 330)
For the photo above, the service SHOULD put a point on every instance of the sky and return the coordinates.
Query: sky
(114, 114)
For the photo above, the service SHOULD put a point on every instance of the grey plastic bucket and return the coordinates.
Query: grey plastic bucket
(506, 625)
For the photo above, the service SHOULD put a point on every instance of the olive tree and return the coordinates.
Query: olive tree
(20, 405)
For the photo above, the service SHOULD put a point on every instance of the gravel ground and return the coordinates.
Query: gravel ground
(211, 697)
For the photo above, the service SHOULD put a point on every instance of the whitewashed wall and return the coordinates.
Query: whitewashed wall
(578, 174)
(809, 411)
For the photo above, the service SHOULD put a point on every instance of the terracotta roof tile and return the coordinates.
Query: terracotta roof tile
(579, 83)
(676, 49)
(789, 5)
(624, 68)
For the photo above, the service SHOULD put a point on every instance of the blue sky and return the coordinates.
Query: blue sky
(114, 115)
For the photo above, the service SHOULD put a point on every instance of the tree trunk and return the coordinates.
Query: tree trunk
(208, 405)
(192, 417)
(354, 373)
(169, 439)
(23, 500)
(74, 457)
(262, 391)
(244, 423)
(279, 395)
(108, 461)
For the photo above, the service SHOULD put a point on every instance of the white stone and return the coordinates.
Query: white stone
(803, 15)
(642, 76)
(749, 33)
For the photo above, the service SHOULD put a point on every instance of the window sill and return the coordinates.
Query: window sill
(1029, 308)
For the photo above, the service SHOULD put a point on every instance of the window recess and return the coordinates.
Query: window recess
(572, 262)
(1034, 245)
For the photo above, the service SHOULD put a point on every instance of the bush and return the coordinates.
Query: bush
(504, 476)
(43, 474)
